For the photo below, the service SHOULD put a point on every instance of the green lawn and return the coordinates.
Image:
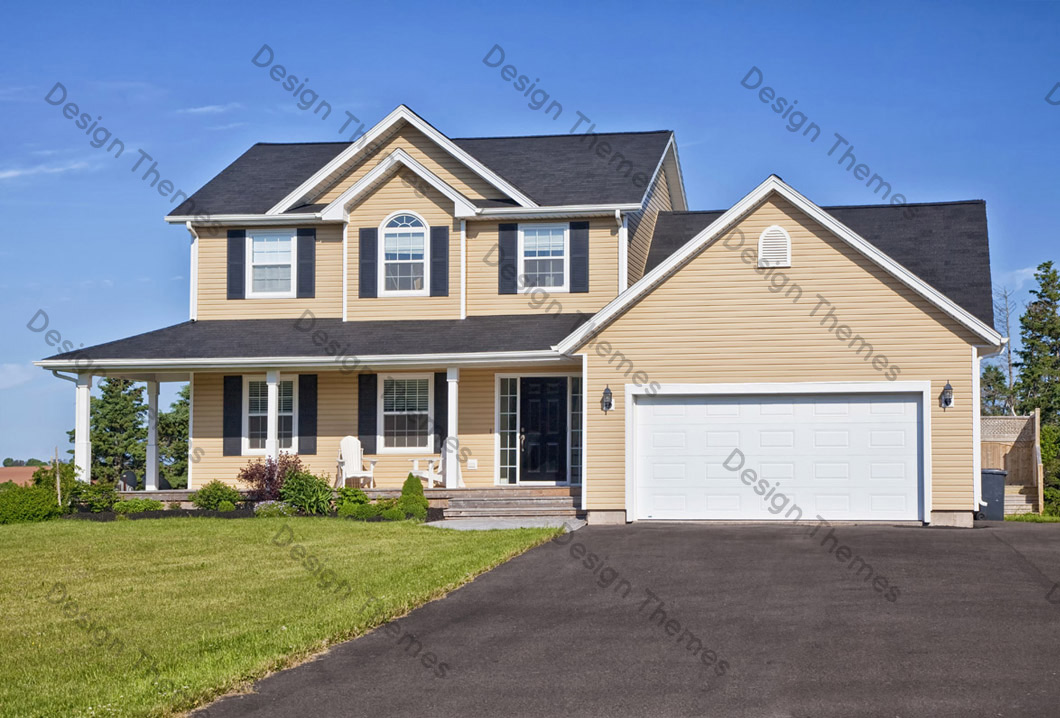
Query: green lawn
(1033, 518)
(161, 615)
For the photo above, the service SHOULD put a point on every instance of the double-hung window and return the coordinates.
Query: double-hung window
(257, 415)
(406, 408)
(270, 263)
(544, 257)
(404, 251)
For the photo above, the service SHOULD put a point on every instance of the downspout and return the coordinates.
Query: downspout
(977, 418)
(193, 273)
(63, 376)
(623, 251)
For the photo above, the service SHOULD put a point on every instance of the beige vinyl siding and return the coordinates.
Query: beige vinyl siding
(482, 273)
(421, 148)
(716, 321)
(213, 302)
(394, 195)
(337, 417)
(642, 226)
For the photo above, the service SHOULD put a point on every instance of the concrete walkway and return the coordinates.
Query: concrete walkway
(532, 522)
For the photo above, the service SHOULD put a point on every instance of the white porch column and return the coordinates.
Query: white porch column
(82, 424)
(452, 446)
(151, 470)
(272, 435)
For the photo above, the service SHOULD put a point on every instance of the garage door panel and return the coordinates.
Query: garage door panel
(845, 457)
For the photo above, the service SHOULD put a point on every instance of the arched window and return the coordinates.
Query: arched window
(404, 268)
(774, 248)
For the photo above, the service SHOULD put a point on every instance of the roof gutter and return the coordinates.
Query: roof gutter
(246, 219)
(569, 210)
(347, 363)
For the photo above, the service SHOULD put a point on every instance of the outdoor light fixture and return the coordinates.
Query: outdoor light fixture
(607, 402)
(946, 398)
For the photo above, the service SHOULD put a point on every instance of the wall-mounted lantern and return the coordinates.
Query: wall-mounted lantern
(607, 401)
(946, 397)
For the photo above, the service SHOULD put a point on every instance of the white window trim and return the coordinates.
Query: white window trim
(381, 254)
(247, 451)
(525, 288)
(786, 262)
(293, 291)
(432, 427)
(519, 422)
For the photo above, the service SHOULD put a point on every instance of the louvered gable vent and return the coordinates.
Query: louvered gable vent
(774, 248)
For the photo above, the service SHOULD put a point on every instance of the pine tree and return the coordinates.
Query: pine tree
(119, 436)
(1039, 357)
(173, 440)
(994, 391)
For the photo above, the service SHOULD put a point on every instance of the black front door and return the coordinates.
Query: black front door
(543, 429)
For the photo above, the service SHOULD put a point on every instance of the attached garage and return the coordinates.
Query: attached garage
(779, 452)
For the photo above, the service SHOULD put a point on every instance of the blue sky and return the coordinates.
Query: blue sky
(945, 101)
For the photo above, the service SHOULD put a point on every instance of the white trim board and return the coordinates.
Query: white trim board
(400, 114)
(921, 388)
(737, 212)
(336, 211)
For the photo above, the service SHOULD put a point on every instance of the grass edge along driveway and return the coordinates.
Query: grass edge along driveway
(151, 618)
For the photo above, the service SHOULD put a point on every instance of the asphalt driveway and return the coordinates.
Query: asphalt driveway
(759, 621)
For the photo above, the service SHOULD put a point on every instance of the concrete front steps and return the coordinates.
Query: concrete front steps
(502, 502)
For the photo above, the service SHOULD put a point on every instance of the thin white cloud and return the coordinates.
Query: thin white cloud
(12, 375)
(15, 94)
(229, 126)
(1016, 278)
(41, 170)
(210, 109)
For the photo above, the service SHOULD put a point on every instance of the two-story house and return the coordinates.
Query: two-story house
(545, 311)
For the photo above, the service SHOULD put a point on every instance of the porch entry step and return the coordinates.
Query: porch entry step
(498, 512)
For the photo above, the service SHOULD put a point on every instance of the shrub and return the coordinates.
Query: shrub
(361, 512)
(71, 488)
(413, 503)
(135, 506)
(97, 497)
(213, 494)
(226, 506)
(266, 477)
(23, 504)
(173, 506)
(1052, 502)
(272, 509)
(308, 493)
(393, 514)
(349, 495)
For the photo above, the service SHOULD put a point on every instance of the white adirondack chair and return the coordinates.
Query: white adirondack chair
(351, 464)
(431, 477)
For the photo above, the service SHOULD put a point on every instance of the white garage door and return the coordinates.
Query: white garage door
(843, 457)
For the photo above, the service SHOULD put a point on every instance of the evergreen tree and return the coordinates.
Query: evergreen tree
(119, 435)
(1039, 357)
(994, 391)
(173, 440)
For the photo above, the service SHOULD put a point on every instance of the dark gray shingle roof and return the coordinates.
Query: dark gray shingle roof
(551, 169)
(246, 338)
(944, 243)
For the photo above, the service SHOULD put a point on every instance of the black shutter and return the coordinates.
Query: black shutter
(367, 411)
(232, 416)
(307, 263)
(307, 414)
(579, 256)
(507, 246)
(237, 263)
(441, 410)
(439, 261)
(367, 284)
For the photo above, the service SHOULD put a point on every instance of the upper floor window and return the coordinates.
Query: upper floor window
(256, 416)
(774, 247)
(404, 267)
(544, 257)
(270, 263)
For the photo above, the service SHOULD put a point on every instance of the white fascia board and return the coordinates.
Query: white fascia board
(401, 113)
(276, 220)
(714, 231)
(556, 212)
(336, 211)
(682, 204)
(365, 363)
